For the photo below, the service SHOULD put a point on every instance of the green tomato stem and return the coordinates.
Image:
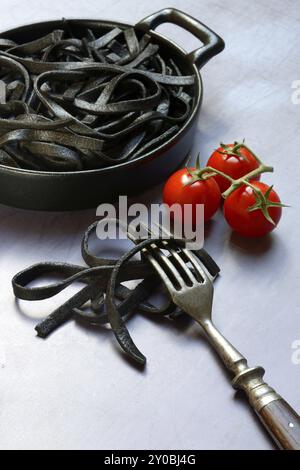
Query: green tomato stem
(242, 145)
(209, 172)
(245, 179)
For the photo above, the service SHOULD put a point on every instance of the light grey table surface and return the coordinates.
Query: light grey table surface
(75, 390)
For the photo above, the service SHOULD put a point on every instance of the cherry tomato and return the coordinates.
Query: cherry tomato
(254, 223)
(232, 165)
(205, 192)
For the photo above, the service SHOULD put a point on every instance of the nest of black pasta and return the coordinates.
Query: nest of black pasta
(70, 103)
(110, 302)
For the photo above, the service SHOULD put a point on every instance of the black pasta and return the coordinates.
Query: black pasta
(109, 300)
(71, 104)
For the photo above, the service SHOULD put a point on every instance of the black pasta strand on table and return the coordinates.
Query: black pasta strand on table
(109, 301)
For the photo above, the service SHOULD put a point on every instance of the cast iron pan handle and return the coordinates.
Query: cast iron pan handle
(212, 43)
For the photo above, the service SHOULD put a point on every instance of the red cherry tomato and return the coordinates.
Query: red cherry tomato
(250, 224)
(205, 192)
(232, 165)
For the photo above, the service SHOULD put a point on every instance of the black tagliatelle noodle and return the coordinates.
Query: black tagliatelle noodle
(71, 104)
(103, 299)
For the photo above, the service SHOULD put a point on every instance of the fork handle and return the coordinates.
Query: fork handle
(283, 423)
(278, 417)
(280, 420)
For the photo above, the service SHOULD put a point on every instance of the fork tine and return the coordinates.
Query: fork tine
(195, 261)
(153, 253)
(181, 263)
(167, 262)
(200, 269)
(203, 266)
(198, 265)
(161, 257)
(163, 275)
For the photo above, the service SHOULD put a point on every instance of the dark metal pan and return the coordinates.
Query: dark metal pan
(43, 190)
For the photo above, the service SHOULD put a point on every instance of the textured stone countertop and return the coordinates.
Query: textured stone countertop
(75, 390)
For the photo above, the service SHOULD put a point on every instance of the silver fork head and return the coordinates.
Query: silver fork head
(191, 290)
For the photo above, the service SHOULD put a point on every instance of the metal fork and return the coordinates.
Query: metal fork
(192, 291)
